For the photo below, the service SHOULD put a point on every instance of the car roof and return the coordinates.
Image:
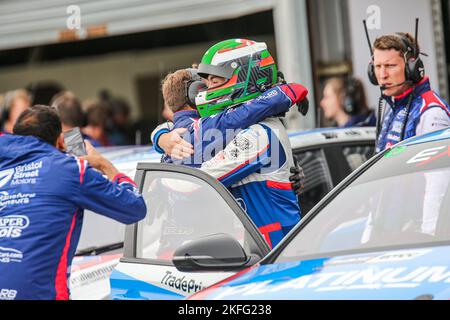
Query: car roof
(309, 138)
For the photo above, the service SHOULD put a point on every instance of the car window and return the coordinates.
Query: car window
(317, 178)
(181, 208)
(403, 199)
(357, 155)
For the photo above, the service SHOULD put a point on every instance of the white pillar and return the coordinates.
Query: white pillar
(293, 54)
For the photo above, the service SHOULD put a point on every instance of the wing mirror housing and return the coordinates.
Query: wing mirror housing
(218, 251)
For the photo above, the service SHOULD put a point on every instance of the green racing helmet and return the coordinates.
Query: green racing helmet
(248, 68)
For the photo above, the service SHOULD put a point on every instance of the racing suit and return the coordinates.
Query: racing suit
(261, 154)
(255, 167)
(427, 112)
(43, 192)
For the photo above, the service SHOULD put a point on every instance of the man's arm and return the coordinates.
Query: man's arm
(270, 103)
(161, 129)
(167, 140)
(117, 198)
(244, 155)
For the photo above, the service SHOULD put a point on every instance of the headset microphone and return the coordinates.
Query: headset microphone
(383, 87)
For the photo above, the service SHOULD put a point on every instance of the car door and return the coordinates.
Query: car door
(183, 204)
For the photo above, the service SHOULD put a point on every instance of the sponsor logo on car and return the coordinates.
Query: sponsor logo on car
(12, 226)
(94, 274)
(371, 278)
(184, 284)
(330, 135)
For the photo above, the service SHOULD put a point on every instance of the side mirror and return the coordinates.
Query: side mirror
(218, 251)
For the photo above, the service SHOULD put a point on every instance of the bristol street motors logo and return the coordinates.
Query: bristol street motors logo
(25, 174)
(5, 176)
(13, 225)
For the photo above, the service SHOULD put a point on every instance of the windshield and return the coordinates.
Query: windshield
(403, 199)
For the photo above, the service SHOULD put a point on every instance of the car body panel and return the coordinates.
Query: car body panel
(396, 274)
(429, 137)
(162, 283)
(321, 136)
(90, 276)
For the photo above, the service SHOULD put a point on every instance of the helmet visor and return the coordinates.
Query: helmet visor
(221, 71)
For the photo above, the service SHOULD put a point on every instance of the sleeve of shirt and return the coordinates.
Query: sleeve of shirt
(244, 155)
(118, 199)
(157, 132)
(431, 120)
(270, 103)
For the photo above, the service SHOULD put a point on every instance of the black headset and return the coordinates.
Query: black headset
(414, 68)
(193, 86)
(352, 96)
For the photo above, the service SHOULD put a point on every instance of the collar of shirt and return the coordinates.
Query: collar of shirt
(185, 113)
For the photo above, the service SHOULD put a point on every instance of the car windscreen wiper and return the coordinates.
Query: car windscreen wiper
(92, 251)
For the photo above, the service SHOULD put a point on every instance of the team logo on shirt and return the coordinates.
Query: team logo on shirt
(14, 199)
(242, 204)
(24, 174)
(13, 225)
(8, 255)
(5, 176)
(234, 153)
(27, 173)
(242, 143)
(8, 294)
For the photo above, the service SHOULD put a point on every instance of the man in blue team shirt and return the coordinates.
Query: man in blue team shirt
(43, 192)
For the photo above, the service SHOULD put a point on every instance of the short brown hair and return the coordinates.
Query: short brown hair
(174, 89)
(69, 109)
(394, 41)
(97, 113)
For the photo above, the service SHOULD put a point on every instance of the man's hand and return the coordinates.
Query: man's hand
(174, 145)
(97, 161)
(297, 178)
(295, 91)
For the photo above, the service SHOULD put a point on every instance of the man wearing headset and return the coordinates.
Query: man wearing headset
(412, 108)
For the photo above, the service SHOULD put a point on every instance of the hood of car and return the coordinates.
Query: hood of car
(422, 273)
